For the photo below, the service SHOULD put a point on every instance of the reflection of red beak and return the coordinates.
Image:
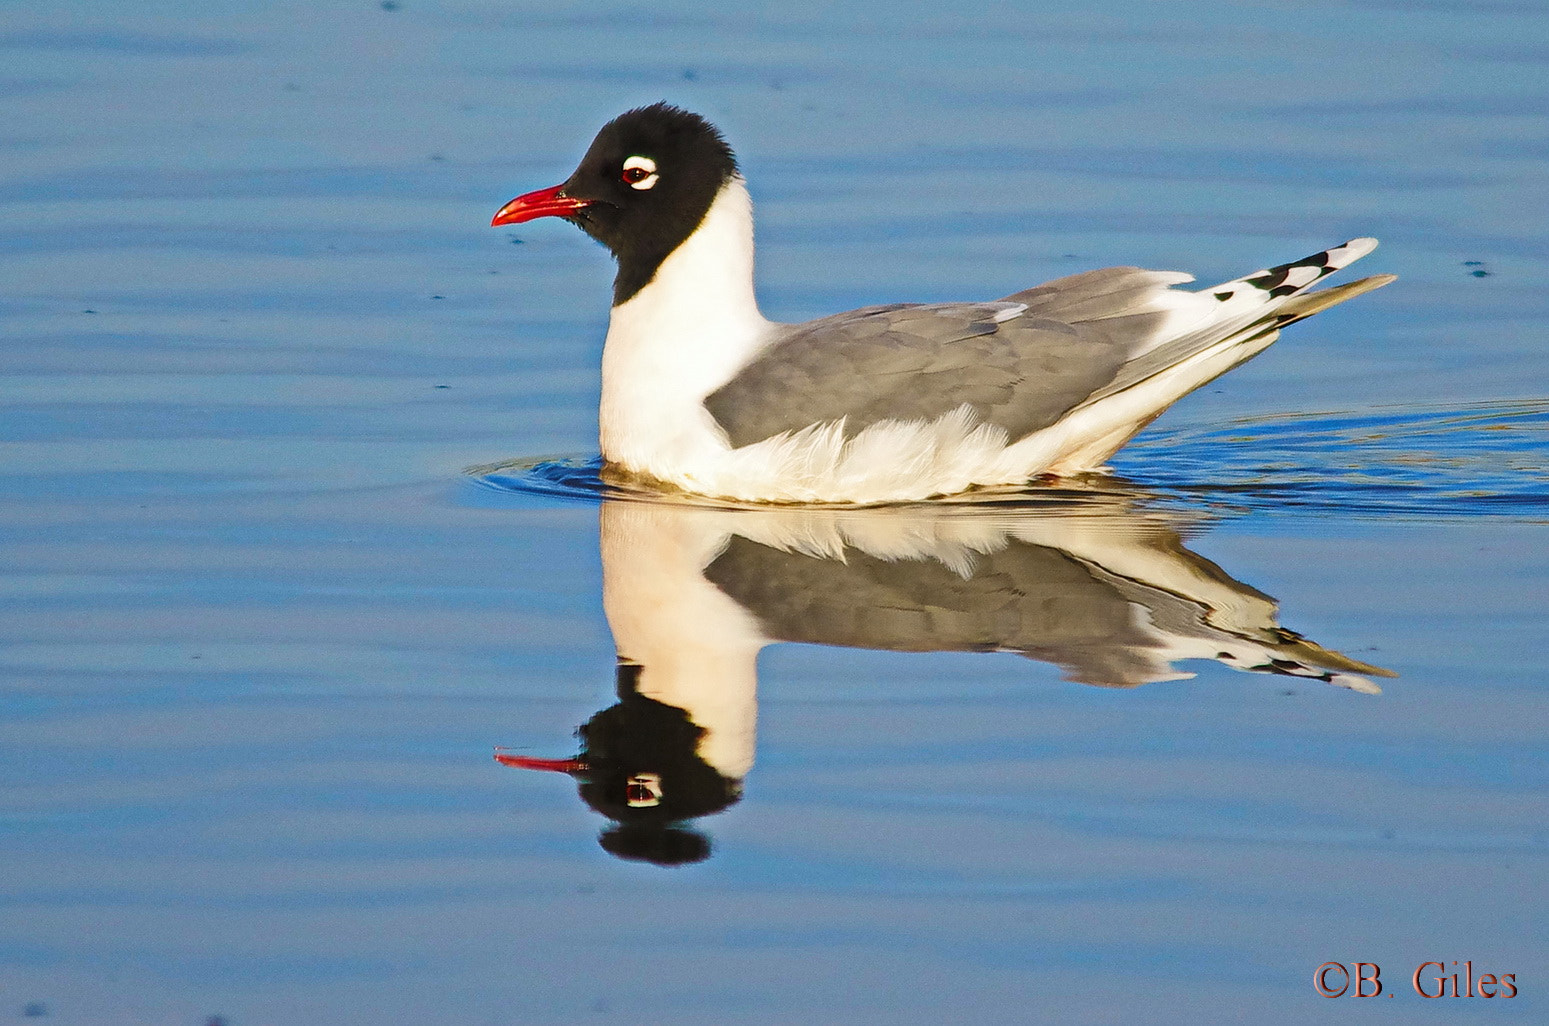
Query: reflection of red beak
(530, 762)
(550, 202)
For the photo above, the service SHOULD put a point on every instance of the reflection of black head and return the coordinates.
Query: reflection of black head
(643, 765)
(643, 770)
(665, 846)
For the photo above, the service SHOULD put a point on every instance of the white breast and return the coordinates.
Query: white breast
(677, 340)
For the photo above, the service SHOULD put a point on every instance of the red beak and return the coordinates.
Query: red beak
(530, 762)
(550, 202)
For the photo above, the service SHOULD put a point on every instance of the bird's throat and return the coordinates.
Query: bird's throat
(680, 337)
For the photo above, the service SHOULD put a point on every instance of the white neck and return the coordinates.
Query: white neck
(680, 338)
(697, 649)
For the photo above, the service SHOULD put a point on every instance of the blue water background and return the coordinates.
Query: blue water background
(260, 631)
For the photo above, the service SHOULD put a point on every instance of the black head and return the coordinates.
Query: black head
(644, 186)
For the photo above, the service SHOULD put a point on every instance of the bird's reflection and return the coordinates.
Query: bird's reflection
(1100, 586)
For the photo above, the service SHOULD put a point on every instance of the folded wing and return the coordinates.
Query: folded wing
(1020, 364)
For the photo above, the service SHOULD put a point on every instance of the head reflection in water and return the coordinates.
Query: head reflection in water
(1096, 586)
(640, 766)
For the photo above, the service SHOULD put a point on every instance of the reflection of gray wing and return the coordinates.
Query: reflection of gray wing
(1021, 364)
(1023, 598)
(1098, 625)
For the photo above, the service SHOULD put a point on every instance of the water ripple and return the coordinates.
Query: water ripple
(1487, 459)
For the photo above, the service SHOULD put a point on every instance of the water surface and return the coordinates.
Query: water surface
(263, 633)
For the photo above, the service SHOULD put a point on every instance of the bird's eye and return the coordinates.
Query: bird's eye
(644, 791)
(639, 173)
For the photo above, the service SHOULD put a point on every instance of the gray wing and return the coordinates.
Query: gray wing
(1021, 363)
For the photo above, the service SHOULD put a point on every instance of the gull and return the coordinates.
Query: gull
(894, 403)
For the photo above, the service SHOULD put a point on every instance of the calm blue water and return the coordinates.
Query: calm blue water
(263, 627)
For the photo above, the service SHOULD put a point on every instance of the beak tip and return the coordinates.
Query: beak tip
(549, 202)
(507, 215)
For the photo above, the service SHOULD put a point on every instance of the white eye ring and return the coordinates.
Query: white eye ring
(632, 175)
